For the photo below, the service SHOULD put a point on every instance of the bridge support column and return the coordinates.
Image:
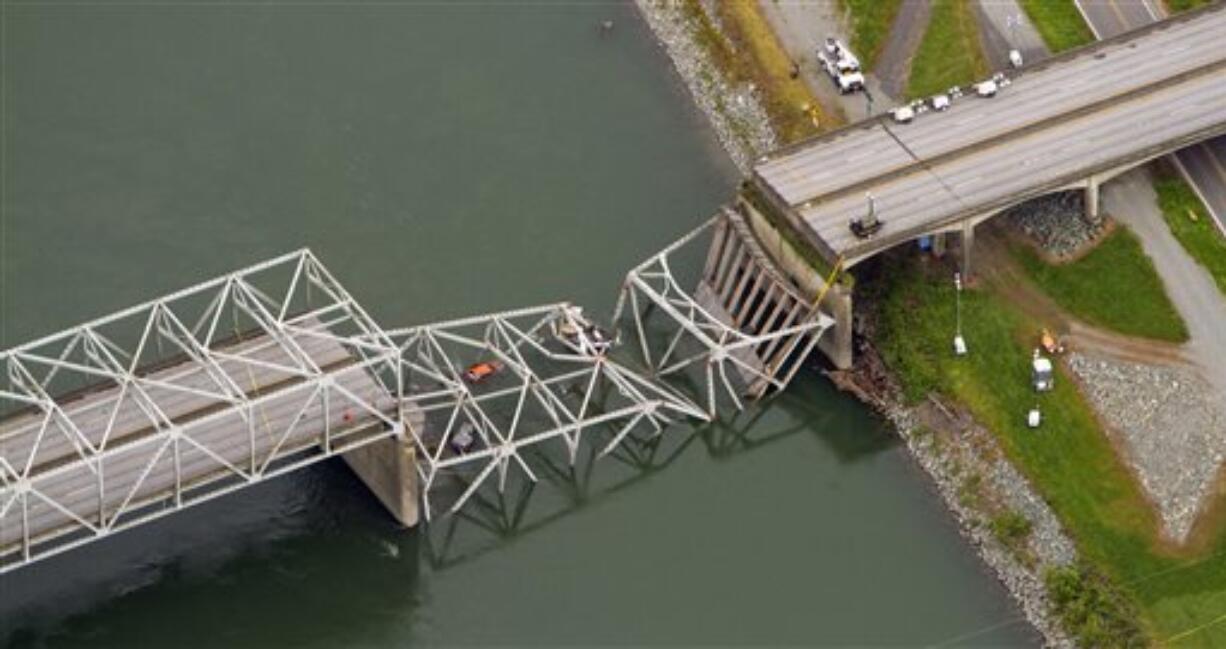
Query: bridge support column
(1092, 199)
(837, 343)
(968, 242)
(389, 469)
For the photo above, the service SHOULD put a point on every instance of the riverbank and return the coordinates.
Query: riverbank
(735, 111)
(980, 488)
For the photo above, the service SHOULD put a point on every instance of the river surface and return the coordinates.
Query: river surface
(442, 160)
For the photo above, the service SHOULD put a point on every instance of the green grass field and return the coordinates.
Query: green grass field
(1181, 595)
(1059, 23)
(871, 21)
(951, 52)
(1114, 287)
(1190, 223)
(1177, 6)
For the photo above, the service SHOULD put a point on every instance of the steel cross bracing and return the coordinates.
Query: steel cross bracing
(689, 335)
(551, 388)
(268, 369)
(184, 398)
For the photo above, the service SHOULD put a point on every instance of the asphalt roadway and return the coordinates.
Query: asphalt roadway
(1203, 164)
(1089, 111)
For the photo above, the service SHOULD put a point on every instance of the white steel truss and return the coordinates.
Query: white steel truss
(184, 398)
(692, 336)
(550, 388)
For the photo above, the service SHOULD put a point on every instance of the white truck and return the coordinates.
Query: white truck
(842, 66)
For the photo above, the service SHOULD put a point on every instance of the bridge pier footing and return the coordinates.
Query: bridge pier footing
(389, 469)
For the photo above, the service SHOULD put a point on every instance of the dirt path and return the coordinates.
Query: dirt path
(894, 64)
(1010, 280)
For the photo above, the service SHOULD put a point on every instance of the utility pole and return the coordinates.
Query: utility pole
(959, 341)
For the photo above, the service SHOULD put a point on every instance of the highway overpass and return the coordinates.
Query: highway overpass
(1071, 121)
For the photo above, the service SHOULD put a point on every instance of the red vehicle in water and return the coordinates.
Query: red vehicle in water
(478, 372)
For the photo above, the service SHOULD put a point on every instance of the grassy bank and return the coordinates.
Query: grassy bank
(747, 50)
(951, 52)
(1180, 594)
(1059, 23)
(1177, 6)
(1115, 287)
(1192, 226)
(871, 21)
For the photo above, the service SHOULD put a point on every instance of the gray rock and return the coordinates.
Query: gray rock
(1056, 222)
(1172, 428)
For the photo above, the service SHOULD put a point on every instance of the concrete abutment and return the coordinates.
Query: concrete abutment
(388, 468)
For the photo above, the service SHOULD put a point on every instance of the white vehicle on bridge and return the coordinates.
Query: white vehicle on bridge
(842, 66)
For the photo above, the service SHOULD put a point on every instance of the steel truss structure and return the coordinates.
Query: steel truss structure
(714, 335)
(248, 376)
(184, 398)
(550, 389)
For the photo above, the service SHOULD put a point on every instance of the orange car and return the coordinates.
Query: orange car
(478, 372)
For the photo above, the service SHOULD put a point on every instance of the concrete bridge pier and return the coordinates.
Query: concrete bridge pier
(835, 344)
(968, 243)
(1092, 210)
(388, 468)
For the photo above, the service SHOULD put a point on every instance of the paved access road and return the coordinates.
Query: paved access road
(1132, 201)
(1203, 164)
(1110, 17)
(802, 27)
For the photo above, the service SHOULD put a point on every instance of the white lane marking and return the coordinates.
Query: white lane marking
(1217, 218)
(1086, 17)
(1153, 13)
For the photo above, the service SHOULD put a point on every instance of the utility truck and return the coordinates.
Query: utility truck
(842, 66)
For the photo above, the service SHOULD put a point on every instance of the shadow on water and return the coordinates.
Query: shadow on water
(262, 539)
(492, 518)
(259, 545)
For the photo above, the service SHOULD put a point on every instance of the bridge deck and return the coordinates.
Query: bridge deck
(1088, 111)
(140, 464)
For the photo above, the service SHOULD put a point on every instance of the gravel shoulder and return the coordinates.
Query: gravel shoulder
(801, 28)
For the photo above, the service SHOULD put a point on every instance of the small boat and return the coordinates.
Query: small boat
(478, 372)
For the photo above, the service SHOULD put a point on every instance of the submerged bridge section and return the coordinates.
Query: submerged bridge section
(1071, 121)
(128, 418)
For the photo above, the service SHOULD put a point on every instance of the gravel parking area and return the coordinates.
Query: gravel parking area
(1172, 429)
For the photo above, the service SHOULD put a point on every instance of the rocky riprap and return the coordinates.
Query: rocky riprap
(1056, 223)
(740, 122)
(965, 449)
(951, 447)
(1172, 428)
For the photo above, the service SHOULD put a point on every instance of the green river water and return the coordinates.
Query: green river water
(442, 159)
